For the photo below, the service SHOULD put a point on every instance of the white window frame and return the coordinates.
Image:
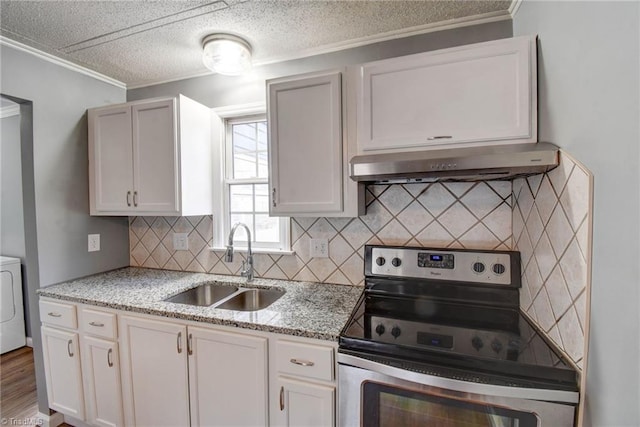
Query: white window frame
(223, 155)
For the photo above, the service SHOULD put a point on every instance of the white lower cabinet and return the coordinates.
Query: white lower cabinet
(63, 371)
(154, 372)
(306, 404)
(228, 378)
(111, 369)
(101, 373)
(100, 367)
(81, 362)
(305, 385)
(174, 375)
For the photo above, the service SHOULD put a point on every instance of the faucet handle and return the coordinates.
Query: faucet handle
(244, 270)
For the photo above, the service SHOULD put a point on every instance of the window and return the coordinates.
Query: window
(246, 188)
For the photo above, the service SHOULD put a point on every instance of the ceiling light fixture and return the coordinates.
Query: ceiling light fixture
(226, 54)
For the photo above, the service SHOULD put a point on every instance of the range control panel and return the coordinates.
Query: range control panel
(464, 266)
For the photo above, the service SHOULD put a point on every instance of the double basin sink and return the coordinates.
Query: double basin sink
(227, 297)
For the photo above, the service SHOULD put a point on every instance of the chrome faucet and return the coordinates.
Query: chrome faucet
(247, 267)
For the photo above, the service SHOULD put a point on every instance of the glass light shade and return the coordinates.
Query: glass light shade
(226, 54)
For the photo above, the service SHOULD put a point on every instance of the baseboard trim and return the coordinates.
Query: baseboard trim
(53, 420)
(75, 422)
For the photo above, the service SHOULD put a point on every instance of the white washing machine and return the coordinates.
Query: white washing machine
(12, 332)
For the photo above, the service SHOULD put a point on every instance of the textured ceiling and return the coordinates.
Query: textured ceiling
(145, 42)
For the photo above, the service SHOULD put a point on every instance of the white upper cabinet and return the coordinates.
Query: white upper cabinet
(475, 94)
(309, 147)
(150, 158)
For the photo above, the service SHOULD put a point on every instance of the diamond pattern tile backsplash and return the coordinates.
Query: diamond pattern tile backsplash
(552, 231)
(460, 215)
(545, 217)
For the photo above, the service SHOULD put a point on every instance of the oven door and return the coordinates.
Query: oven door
(378, 395)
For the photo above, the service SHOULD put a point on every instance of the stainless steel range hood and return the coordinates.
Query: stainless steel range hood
(456, 164)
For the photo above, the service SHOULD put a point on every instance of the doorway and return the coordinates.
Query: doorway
(18, 233)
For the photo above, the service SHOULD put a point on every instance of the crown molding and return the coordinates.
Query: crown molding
(4, 41)
(514, 7)
(466, 21)
(173, 79)
(449, 24)
(9, 111)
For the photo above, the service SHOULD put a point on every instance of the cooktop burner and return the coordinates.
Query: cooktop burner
(456, 311)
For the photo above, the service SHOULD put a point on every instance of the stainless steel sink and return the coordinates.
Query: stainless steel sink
(252, 299)
(204, 295)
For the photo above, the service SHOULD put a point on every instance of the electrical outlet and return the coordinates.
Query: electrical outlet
(180, 242)
(94, 242)
(319, 248)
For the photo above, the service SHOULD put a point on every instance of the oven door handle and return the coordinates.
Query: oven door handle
(459, 385)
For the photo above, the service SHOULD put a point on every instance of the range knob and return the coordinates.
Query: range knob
(380, 329)
(477, 343)
(396, 332)
(396, 262)
(499, 268)
(496, 345)
(478, 267)
(380, 261)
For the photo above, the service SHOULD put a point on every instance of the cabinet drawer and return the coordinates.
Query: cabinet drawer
(98, 323)
(306, 360)
(58, 314)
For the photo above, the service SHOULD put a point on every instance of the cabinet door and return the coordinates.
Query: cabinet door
(63, 372)
(469, 94)
(228, 378)
(154, 373)
(110, 159)
(101, 372)
(306, 404)
(155, 157)
(305, 144)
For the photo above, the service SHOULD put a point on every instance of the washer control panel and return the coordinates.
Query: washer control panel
(464, 266)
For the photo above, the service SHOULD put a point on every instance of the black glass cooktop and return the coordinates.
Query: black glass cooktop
(476, 340)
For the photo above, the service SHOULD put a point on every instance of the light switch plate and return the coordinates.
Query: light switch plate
(319, 248)
(94, 243)
(180, 242)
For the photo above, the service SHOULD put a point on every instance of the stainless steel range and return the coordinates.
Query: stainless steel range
(437, 338)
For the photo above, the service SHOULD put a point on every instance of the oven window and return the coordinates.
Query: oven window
(387, 406)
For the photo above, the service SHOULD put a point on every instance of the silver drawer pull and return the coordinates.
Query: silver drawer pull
(69, 348)
(54, 314)
(432, 138)
(302, 362)
(109, 360)
(97, 324)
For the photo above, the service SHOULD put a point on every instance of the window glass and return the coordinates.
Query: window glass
(247, 195)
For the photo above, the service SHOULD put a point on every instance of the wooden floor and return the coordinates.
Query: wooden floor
(18, 400)
(18, 385)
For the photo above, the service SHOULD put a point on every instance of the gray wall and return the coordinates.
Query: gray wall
(12, 238)
(56, 200)
(589, 105)
(216, 90)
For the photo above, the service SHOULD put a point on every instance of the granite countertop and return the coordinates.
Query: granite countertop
(307, 309)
